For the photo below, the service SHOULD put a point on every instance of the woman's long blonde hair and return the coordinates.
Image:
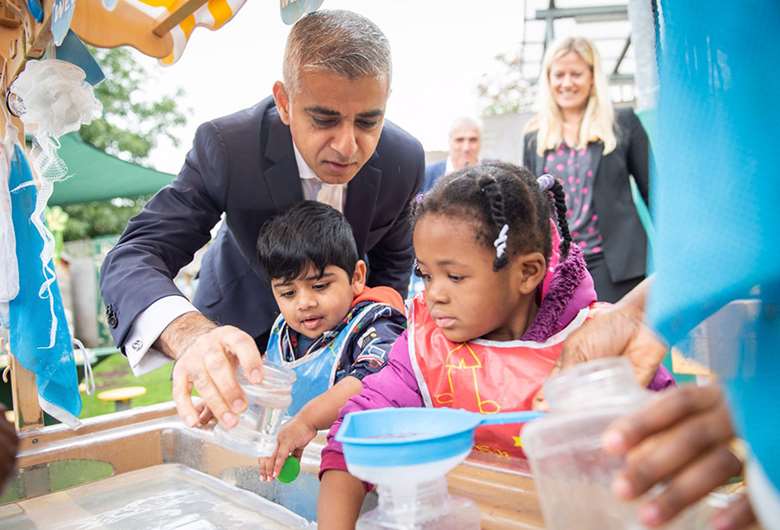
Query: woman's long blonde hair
(599, 118)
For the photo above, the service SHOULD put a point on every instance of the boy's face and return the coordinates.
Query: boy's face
(312, 304)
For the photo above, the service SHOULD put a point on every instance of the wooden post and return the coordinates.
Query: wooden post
(21, 38)
(125, 25)
(167, 22)
(25, 397)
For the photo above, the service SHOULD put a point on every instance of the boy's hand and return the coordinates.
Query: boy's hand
(293, 437)
(680, 439)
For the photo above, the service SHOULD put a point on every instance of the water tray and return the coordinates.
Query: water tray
(167, 496)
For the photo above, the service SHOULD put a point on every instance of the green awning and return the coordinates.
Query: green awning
(97, 176)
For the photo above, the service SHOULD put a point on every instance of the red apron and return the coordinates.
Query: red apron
(481, 375)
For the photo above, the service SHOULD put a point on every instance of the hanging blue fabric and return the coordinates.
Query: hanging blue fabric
(292, 10)
(75, 52)
(36, 9)
(716, 194)
(39, 334)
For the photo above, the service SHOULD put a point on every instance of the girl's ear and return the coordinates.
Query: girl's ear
(359, 277)
(529, 271)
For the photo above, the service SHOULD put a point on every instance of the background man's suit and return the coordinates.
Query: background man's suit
(432, 173)
(244, 165)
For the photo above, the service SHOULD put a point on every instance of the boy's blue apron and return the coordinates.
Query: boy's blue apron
(315, 371)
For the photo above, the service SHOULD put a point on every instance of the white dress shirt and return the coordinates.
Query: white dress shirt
(449, 167)
(148, 326)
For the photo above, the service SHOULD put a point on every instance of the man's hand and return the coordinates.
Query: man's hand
(9, 442)
(613, 331)
(293, 437)
(207, 356)
(681, 440)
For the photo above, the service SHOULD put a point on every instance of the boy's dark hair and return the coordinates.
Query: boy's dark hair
(308, 234)
(495, 194)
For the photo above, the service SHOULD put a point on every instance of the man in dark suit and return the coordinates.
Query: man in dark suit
(321, 137)
(464, 144)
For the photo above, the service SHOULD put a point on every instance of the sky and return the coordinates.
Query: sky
(440, 50)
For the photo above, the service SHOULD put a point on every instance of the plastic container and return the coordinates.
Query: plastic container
(724, 339)
(572, 473)
(420, 506)
(255, 434)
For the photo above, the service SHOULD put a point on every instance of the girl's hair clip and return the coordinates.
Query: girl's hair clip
(545, 182)
(419, 198)
(500, 242)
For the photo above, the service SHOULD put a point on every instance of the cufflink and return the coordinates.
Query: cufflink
(113, 321)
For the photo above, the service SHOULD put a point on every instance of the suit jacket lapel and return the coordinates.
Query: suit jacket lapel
(282, 178)
(362, 194)
(595, 149)
(538, 167)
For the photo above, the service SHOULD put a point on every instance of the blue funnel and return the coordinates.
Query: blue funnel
(413, 444)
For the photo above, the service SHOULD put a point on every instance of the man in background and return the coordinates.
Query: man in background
(465, 143)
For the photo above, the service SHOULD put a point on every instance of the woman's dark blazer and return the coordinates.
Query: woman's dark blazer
(625, 241)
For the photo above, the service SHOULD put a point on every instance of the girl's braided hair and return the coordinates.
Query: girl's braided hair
(495, 194)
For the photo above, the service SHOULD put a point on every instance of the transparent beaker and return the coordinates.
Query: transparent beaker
(267, 403)
(572, 473)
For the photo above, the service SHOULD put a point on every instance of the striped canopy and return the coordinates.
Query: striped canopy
(213, 14)
(161, 28)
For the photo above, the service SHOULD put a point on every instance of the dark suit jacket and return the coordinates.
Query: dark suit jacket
(432, 173)
(625, 241)
(243, 165)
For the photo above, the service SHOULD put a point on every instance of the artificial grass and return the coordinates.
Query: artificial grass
(115, 372)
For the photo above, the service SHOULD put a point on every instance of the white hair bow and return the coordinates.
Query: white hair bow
(500, 242)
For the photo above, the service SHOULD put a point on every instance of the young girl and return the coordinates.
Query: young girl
(482, 337)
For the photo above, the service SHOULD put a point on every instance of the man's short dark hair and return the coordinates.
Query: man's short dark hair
(308, 234)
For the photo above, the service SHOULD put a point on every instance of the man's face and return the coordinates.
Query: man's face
(313, 304)
(464, 147)
(335, 122)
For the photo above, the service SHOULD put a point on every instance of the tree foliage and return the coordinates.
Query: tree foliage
(130, 125)
(507, 90)
(129, 128)
(100, 218)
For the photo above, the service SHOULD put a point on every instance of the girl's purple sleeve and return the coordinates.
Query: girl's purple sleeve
(393, 386)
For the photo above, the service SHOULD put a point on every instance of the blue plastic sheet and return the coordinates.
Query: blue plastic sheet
(716, 196)
(292, 10)
(39, 334)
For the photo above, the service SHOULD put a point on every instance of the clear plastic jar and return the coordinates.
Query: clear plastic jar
(420, 506)
(267, 403)
(572, 473)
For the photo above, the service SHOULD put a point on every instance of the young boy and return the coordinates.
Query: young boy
(333, 330)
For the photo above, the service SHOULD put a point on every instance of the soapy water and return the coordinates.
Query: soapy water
(579, 503)
(163, 497)
(395, 436)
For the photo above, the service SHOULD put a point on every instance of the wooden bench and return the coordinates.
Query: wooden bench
(122, 397)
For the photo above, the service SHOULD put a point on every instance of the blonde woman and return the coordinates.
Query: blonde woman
(592, 149)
